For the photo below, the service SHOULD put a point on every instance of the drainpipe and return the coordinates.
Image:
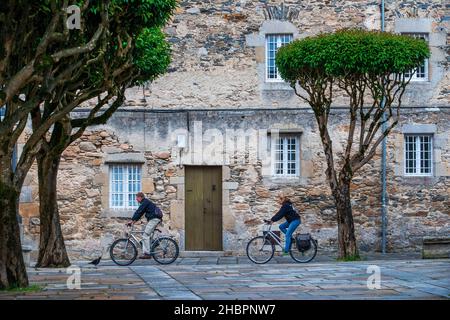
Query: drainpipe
(383, 164)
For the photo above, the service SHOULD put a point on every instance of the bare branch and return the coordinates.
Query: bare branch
(358, 164)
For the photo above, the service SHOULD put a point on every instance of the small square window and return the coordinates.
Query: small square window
(286, 156)
(418, 155)
(125, 182)
(273, 43)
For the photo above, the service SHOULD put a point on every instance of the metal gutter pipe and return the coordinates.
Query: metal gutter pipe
(383, 162)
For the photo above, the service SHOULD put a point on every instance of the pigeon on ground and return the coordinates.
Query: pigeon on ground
(95, 262)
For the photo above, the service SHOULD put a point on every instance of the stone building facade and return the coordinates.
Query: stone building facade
(219, 107)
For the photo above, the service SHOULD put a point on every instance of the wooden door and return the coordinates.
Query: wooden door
(203, 211)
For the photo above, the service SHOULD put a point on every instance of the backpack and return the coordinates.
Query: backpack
(296, 211)
(303, 241)
(158, 213)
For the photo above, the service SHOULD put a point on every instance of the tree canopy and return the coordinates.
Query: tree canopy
(351, 51)
(47, 70)
(369, 68)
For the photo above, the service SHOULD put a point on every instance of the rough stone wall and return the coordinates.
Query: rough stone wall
(417, 206)
(86, 227)
(214, 66)
(217, 65)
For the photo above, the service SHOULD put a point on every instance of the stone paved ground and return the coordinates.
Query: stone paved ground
(400, 279)
(322, 257)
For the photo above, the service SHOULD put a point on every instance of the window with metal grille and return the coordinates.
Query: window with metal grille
(273, 43)
(286, 156)
(125, 182)
(421, 72)
(418, 155)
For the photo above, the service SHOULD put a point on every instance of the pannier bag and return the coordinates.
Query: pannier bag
(303, 242)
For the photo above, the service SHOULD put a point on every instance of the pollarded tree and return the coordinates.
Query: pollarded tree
(148, 58)
(368, 67)
(35, 45)
(44, 75)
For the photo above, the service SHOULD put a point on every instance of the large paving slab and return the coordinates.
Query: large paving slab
(418, 279)
(400, 279)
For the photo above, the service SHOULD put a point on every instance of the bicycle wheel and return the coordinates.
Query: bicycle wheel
(303, 256)
(260, 250)
(165, 250)
(123, 252)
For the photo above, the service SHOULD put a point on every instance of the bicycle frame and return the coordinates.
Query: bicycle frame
(131, 235)
(267, 248)
(273, 235)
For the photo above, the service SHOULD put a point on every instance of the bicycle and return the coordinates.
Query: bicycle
(261, 249)
(124, 251)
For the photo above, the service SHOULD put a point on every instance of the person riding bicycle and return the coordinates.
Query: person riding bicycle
(292, 217)
(149, 209)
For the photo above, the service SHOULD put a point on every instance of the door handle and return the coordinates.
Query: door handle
(213, 187)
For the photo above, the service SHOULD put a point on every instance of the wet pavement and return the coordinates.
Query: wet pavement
(229, 278)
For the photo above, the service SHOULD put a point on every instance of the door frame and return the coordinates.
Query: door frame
(220, 206)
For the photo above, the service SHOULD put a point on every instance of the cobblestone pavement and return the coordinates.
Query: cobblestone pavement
(192, 280)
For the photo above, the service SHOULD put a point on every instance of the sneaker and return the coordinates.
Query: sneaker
(145, 256)
(285, 254)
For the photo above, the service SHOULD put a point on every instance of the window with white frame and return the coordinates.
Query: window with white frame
(418, 155)
(421, 72)
(125, 182)
(286, 155)
(273, 43)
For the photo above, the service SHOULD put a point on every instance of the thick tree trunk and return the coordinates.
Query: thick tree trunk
(346, 230)
(12, 267)
(52, 251)
(340, 188)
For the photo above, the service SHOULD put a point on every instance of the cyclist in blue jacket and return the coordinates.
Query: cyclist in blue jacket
(292, 217)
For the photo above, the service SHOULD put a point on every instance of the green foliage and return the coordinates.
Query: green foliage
(31, 288)
(151, 55)
(138, 14)
(156, 12)
(140, 19)
(350, 52)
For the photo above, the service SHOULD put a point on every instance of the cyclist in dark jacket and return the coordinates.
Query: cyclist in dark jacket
(145, 207)
(148, 208)
(288, 212)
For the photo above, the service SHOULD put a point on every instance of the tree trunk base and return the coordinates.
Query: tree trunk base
(348, 249)
(52, 251)
(53, 255)
(13, 272)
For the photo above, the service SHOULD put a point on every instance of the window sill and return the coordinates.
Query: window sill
(276, 85)
(274, 80)
(419, 180)
(420, 81)
(117, 213)
(284, 180)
